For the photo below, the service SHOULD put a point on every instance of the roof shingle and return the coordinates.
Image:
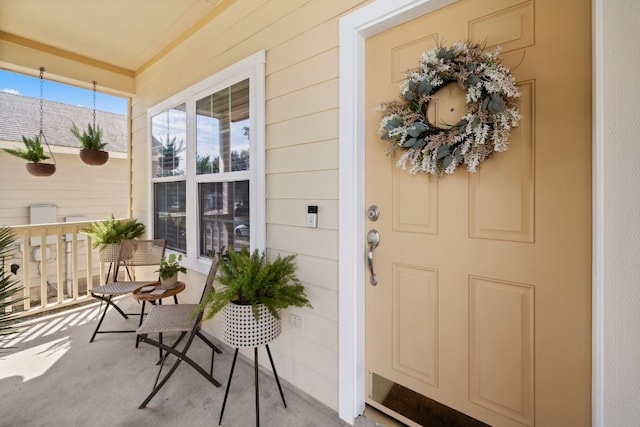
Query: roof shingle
(20, 115)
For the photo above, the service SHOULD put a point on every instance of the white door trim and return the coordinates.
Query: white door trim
(354, 29)
(371, 19)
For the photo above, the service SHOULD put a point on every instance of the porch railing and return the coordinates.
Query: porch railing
(56, 266)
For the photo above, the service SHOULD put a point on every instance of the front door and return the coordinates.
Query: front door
(482, 308)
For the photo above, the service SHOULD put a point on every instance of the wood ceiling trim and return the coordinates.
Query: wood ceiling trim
(31, 44)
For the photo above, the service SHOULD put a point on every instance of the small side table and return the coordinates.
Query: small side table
(138, 295)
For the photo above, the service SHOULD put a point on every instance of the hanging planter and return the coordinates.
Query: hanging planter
(41, 169)
(34, 153)
(93, 157)
(33, 150)
(91, 145)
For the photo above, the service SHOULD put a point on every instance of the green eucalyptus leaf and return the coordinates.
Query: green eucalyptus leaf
(392, 124)
(447, 161)
(473, 80)
(485, 103)
(443, 151)
(425, 87)
(495, 105)
(409, 143)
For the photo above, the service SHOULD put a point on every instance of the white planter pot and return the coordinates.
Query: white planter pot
(169, 282)
(240, 328)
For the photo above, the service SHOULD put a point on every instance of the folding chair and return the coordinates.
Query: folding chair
(179, 318)
(132, 253)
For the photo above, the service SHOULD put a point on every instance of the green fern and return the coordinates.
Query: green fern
(90, 139)
(112, 231)
(249, 279)
(33, 151)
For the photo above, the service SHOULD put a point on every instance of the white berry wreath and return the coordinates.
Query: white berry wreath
(492, 110)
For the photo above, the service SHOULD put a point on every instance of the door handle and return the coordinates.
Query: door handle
(373, 239)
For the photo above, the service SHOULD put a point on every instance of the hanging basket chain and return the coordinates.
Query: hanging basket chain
(42, 136)
(94, 103)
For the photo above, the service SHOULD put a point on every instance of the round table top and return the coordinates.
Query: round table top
(151, 296)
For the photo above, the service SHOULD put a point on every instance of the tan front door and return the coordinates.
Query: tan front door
(484, 280)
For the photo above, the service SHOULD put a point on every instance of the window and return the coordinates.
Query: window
(207, 164)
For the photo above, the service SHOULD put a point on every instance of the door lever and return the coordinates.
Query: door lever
(373, 239)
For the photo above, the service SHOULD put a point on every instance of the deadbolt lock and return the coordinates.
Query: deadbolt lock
(373, 213)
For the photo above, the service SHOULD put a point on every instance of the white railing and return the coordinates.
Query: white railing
(56, 266)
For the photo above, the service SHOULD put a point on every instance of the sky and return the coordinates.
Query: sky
(21, 84)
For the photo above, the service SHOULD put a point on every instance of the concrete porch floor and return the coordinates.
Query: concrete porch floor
(55, 377)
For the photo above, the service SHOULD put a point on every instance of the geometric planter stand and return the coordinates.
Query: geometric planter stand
(240, 330)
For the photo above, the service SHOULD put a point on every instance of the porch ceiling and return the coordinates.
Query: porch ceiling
(122, 33)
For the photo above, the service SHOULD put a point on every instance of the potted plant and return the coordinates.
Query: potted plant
(169, 268)
(251, 292)
(110, 233)
(34, 154)
(91, 145)
(9, 287)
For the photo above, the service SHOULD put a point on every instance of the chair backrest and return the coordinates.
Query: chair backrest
(141, 252)
(213, 270)
(208, 286)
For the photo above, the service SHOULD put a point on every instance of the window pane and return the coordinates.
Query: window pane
(170, 214)
(222, 130)
(224, 215)
(168, 136)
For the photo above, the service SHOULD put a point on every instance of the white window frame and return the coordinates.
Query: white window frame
(252, 68)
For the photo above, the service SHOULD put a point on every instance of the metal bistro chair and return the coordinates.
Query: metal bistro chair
(185, 319)
(132, 253)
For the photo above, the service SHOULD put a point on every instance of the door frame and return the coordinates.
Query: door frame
(355, 27)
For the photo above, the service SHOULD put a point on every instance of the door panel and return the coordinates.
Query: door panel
(483, 295)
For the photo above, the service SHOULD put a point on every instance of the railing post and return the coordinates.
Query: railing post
(59, 257)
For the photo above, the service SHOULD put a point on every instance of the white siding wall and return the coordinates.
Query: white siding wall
(76, 188)
(300, 38)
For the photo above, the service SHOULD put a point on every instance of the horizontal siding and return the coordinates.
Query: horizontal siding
(296, 240)
(294, 212)
(308, 157)
(319, 126)
(75, 188)
(300, 38)
(316, 69)
(320, 97)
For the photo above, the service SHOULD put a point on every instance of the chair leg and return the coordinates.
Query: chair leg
(226, 393)
(275, 374)
(209, 343)
(108, 302)
(181, 356)
(103, 312)
(140, 324)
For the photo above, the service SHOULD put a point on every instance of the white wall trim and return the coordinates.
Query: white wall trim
(252, 67)
(354, 28)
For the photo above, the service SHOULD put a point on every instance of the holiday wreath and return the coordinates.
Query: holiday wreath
(492, 111)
